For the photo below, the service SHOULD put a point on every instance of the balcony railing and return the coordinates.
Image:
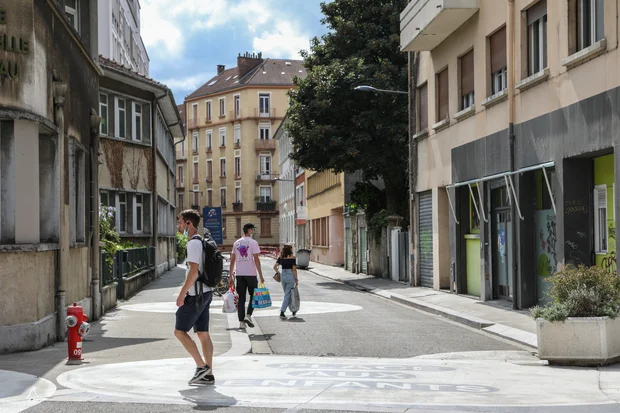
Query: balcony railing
(266, 206)
(193, 123)
(180, 184)
(265, 144)
(209, 179)
(208, 120)
(237, 207)
(266, 176)
(237, 145)
(195, 180)
(265, 114)
(209, 149)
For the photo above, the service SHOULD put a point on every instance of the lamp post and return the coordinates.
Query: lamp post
(295, 205)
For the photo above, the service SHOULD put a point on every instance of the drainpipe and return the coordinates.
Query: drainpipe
(510, 29)
(60, 90)
(94, 214)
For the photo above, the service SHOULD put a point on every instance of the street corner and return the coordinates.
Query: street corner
(21, 391)
(285, 381)
(307, 308)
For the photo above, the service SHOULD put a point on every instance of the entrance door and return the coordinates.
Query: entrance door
(425, 239)
(501, 238)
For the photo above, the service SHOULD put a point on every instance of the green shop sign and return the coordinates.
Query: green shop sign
(10, 45)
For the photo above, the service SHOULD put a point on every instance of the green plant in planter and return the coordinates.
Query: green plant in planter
(581, 292)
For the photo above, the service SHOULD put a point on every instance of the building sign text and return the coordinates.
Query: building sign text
(13, 45)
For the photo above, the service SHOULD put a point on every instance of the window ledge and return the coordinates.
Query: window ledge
(421, 135)
(495, 99)
(29, 247)
(126, 140)
(586, 54)
(465, 113)
(441, 125)
(533, 80)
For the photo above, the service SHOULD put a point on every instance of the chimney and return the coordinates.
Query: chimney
(247, 62)
(220, 69)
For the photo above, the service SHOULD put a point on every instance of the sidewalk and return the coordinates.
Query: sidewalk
(492, 316)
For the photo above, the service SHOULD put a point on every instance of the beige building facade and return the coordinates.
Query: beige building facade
(230, 157)
(515, 135)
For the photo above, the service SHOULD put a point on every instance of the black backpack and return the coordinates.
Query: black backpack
(212, 264)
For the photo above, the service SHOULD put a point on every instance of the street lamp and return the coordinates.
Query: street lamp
(295, 205)
(374, 89)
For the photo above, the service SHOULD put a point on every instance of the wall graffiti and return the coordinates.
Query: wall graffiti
(577, 206)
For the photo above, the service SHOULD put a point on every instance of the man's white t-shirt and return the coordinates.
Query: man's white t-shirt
(244, 250)
(194, 254)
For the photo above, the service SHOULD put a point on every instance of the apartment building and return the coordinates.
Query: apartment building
(48, 138)
(516, 102)
(231, 153)
(140, 122)
(293, 211)
(180, 146)
(119, 33)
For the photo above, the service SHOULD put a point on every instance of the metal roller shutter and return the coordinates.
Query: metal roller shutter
(425, 239)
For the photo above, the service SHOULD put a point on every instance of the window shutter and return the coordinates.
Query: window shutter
(467, 73)
(600, 202)
(498, 50)
(537, 11)
(423, 113)
(442, 95)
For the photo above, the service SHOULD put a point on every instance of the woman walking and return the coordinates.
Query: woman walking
(288, 278)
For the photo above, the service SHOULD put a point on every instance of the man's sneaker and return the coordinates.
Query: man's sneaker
(201, 373)
(242, 325)
(282, 316)
(208, 379)
(294, 313)
(248, 321)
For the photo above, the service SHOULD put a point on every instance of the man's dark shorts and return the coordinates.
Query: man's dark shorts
(189, 315)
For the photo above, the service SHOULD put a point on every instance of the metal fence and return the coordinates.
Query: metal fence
(125, 263)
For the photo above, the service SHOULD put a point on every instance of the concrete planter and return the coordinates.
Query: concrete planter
(587, 341)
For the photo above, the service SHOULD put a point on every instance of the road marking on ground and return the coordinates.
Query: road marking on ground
(21, 391)
(343, 383)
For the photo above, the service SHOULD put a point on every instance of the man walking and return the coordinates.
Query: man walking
(193, 308)
(245, 257)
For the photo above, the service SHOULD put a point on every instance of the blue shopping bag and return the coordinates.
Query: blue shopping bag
(261, 298)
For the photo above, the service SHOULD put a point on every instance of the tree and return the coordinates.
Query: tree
(335, 127)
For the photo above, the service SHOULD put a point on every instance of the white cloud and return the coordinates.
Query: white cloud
(188, 83)
(161, 35)
(283, 42)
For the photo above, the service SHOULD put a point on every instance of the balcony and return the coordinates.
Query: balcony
(209, 179)
(180, 184)
(424, 24)
(266, 206)
(209, 149)
(265, 145)
(266, 176)
(264, 114)
(208, 121)
(237, 145)
(237, 207)
(193, 123)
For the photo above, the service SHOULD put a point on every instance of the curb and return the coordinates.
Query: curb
(500, 330)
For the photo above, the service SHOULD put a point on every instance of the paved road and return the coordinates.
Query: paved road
(372, 326)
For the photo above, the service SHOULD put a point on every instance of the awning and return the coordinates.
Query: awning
(511, 190)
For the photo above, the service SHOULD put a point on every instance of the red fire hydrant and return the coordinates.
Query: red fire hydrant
(77, 329)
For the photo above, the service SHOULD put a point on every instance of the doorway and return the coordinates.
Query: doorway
(501, 241)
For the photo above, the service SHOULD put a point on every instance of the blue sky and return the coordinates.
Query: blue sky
(187, 39)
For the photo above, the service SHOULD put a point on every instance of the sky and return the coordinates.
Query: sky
(187, 39)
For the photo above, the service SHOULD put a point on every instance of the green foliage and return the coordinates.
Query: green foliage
(109, 239)
(335, 127)
(581, 292)
(181, 246)
(376, 224)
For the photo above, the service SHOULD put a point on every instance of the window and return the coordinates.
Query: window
(265, 193)
(423, 107)
(121, 119)
(498, 61)
(590, 17)
(72, 9)
(467, 80)
(263, 103)
(265, 164)
(209, 139)
(196, 191)
(237, 106)
(137, 213)
(223, 197)
(320, 232)
(238, 227)
(136, 121)
(237, 167)
(181, 203)
(183, 148)
(103, 112)
(222, 137)
(265, 227)
(121, 216)
(77, 193)
(237, 134)
(195, 114)
(264, 132)
(238, 194)
(181, 174)
(195, 171)
(537, 37)
(442, 95)
(600, 219)
(209, 111)
(210, 197)
(209, 170)
(222, 107)
(195, 142)
(104, 198)
(222, 167)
